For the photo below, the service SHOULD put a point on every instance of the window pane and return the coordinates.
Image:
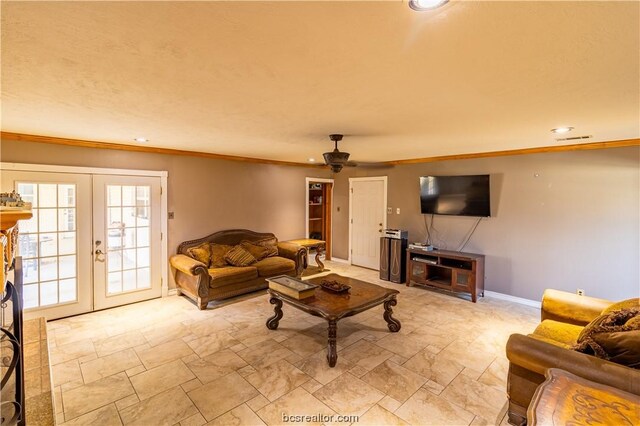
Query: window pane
(68, 290)
(48, 244)
(129, 216)
(30, 296)
(31, 225)
(47, 193)
(67, 242)
(129, 280)
(143, 237)
(129, 238)
(48, 268)
(114, 260)
(66, 219)
(128, 259)
(30, 272)
(48, 220)
(129, 196)
(114, 238)
(115, 217)
(29, 193)
(113, 195)
(142, 195)
(143, 257)
(67, 266)
(143, 216)
(28, 245)
(115, 282)
(66, 195)
(144, 278)
(48, 293)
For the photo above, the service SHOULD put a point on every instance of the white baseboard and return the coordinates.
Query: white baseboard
(339, 260)
(172, 292)
(520, 300)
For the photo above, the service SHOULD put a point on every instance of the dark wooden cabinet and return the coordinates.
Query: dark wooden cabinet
(448, 270)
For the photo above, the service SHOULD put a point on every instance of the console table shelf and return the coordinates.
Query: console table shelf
(448, 270)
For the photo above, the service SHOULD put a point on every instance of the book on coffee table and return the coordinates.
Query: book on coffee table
(292, 287)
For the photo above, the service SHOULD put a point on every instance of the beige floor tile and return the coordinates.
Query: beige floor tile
(239, 416)
(403, 345)
(496, 374)
(161, 378)
(277, 379)
(195, 420)
(214, 342)
(191, 385)
(163, 353)
(221, 395)
(210, 325)
(389, 403)
(394, 380)
(364, 354)
(317, 367)
(478, 398)
(216, 365)
(66, 372)
(257, 402)
(348, 395)
(118, 343)
(299, 402)
(64, 353)
(433, 387)
(264, 353)
(166, 408)
(469, 355)
(305, 344)
(88, 397)
(135, 370)
(425, 408)
(437, 368)
(109, 365)
(105, 416)
(378, 416)
(127, 402)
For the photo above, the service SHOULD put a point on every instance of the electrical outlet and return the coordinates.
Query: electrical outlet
(580, 292)
(398, 210)
(170, 215)
(389, 210)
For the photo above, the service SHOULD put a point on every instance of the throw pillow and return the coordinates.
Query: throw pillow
(614, 336)
(238, 256)
(270, 243)
(629, 303)
(259, 252)
(201, 253)
(218, 252)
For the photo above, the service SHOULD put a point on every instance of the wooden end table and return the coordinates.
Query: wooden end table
(335, 306)
(567, 399)
(309, 243)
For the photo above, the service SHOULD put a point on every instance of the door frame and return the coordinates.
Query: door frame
(307, 181)
(384, 207)
(162, 174)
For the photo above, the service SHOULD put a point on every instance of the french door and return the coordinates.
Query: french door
(367, 199)
(93, 241)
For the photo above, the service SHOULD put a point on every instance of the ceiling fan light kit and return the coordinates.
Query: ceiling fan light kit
(336, 159)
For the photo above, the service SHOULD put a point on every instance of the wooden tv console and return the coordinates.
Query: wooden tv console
(447, 270)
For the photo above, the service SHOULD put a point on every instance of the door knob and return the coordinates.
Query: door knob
(98, 254)
(379, 230)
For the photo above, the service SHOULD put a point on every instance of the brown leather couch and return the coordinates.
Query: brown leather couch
(564, 315)
(202, 284)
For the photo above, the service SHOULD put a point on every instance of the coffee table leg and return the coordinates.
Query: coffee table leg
(393, 324)
(332, 352)
(272, 323)
(319, 251)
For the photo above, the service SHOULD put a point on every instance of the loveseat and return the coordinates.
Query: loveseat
(205, 271)
(564, 316)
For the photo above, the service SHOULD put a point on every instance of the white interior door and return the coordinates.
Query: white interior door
(127, 235)
(367, 210)
(55, 243)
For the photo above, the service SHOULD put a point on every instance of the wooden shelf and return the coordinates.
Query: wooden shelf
(315, 218)
(315, 204)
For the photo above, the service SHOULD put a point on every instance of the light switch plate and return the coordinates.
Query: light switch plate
(389, 210)
(398, 210)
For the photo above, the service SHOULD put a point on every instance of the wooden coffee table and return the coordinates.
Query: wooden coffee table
(335, 306)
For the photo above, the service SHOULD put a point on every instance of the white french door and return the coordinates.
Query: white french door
(94, 241)
(367, 211)
(126, 229)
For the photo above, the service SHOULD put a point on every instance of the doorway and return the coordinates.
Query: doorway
(319, 201)
(94, 240)
(367, 220)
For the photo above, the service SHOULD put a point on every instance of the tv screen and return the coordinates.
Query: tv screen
(455, 195)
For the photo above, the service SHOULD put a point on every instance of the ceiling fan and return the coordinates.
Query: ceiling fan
(337, 159)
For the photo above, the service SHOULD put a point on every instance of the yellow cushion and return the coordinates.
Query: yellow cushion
(275, 265)
(625, 304)
(561, 332)
(238, 256)
(270, 243)
(201, 253)
(231, 275)
(257, 251)
(218, 251)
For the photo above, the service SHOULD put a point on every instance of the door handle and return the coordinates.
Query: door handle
(380, 230)
(98, 254)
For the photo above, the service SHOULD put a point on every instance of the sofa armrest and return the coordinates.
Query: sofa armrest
(538, 356)
(570, 308)
(295, 252)
(187, 265)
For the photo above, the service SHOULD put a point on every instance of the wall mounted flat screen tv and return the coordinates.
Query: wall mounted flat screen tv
(455, 195)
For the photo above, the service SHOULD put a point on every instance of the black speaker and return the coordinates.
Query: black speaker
(384, 258)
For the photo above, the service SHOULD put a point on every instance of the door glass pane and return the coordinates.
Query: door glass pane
(48, 244)
(129, 252)
(114, 196)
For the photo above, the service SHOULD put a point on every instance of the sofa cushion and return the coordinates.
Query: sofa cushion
(614, 336)
(629, 303)
(218, 251)
(257, 251)
(201, 253)
(275, 265)
(238, 256)
(271, 243)
(231, 275)
(563, 333)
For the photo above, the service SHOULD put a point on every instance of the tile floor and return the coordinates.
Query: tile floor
(165, 362)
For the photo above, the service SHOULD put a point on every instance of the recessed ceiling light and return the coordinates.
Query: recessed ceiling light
(312, 160)
(562, 130)
(141, 140)
(422, 5)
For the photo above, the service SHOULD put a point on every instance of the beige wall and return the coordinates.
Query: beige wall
(576, 225)
(206, 195)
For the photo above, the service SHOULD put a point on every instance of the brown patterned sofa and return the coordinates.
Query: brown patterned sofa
(202, 283)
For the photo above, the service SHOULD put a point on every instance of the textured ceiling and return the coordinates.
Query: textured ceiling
(273, 79)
